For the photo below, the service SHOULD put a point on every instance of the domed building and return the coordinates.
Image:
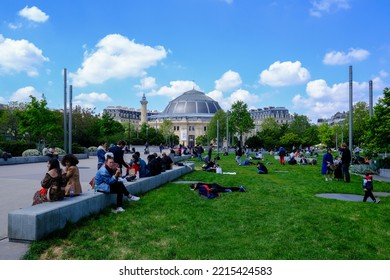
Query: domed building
(190, 114)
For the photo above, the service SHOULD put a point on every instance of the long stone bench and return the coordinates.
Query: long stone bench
(35, 159)
(38, 221)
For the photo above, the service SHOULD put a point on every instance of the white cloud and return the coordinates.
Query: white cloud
(229, 81)
(33, 14)
(93, 97)
(19, 56)
(284, 74)
(116, 57)
(328, 6)
(174, 89)
(239, 95)
(341, 58)
(323, 101)
(23, 94)
(147, 83)
(15, 26)
(383, 74)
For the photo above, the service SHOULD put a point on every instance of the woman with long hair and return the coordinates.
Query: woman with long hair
(53, 184)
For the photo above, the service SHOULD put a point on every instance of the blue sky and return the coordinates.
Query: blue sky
(291, 53)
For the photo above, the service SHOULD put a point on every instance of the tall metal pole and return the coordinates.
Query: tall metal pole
(217, 137)
(70, 118)
(227, 131)
(65, 115)
(350, 108)
(370, 99)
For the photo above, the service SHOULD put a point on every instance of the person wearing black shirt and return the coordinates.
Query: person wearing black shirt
(345, 162)
(153, 165)
(166, 162)
(118, 153)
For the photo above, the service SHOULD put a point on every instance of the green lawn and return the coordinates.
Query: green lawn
(279, 218)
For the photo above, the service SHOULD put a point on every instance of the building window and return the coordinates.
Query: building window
(205, 128)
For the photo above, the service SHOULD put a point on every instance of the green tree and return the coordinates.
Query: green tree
(111, 129)
(325, 134)
(377, 137)
(359, 122)
(85, 127)
(219, 116)
(9, 121)
(270, 133)
(240, 119)
(201, 140)
(310, 136)
(289, 140)
(254, 142)
(299, 124)
(166, 129)
(42, 125)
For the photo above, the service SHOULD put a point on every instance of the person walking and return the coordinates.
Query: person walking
(368, 187)
(238, 153)
(345, 162)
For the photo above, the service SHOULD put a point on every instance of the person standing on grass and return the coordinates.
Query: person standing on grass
(210, 152)
(106, 181)
(368, 187)
(282, 154)
(238, 153)
(327, 160)
(345, 162)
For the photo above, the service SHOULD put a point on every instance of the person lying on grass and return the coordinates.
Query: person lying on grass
(213, 190)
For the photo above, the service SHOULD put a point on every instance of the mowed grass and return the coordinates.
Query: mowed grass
(279, 218)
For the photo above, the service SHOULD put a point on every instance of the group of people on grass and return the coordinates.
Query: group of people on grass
(64, 182)
(339, 168)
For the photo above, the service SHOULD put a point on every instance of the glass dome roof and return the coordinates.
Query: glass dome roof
(192, 102)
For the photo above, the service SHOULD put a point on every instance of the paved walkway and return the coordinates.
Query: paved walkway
(18, 183)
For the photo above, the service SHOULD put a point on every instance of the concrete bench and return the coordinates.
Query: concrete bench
(35, 159)
(38, 221)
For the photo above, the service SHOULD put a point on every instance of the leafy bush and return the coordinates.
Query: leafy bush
(77, 149)
(92, 149)
(31, 153)
(58, 150)
(16, 148)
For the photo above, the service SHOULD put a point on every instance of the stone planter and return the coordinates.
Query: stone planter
(384, 172)
(34, 159)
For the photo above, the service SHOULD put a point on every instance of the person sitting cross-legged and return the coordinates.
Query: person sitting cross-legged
(106, 181)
